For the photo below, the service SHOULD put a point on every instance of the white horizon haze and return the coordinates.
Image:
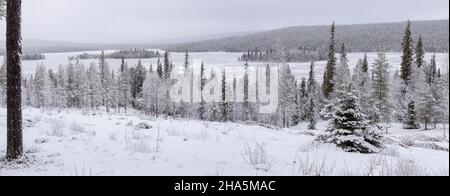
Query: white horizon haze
(152, 21)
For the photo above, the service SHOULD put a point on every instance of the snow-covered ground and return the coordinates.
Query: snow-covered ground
(77, 143)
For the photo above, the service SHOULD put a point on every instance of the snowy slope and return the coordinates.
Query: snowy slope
(73, 143)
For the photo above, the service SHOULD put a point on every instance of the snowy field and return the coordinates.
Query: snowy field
(219, 60)
(76, 144)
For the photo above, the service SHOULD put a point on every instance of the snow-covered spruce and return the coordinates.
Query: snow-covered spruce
(349, 128)
(410, 119)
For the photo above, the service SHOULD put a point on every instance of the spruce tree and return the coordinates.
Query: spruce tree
(349, 128)
(71, 85)
(432, 71)
(186, 61)
(296, 116)
(311, 80)
(342, 72)
(420, 53)
(213, 112)
(286, 93)
(61, 88)
(361, 73)
(94, 87)
(104, 73)
(39, 84)
(328, 79)
(139, 78)
(361, 79)
(302, 99)
(410, 118)
(426, 105)
(224, 104)
(153, 92)
(365, 64)
(443, 94)
(124, 85)
(167, 66)
(407, 55)
(137, 83)
(311, 114)
(407, 74)
(28, 91)
(380, 90)
(83, 87)
(117, 92)
(246, 109)
(235, 106)
(202, 107)
(160, 70)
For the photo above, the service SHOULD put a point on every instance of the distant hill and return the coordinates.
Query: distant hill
(32, 46)
(358, 38)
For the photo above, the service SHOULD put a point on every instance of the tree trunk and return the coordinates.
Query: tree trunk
(14, 91)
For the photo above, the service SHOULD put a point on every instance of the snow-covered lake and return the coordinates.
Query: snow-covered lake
(217, 60)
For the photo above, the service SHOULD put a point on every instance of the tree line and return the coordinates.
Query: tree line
(357, 38)
(33, 57)
(300, 54)
(134, 53)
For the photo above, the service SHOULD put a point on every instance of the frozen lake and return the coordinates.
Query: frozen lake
(217, 60)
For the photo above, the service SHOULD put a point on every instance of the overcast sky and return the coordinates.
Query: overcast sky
(120, 21)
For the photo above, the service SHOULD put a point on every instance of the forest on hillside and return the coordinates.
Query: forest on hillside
(358, 38)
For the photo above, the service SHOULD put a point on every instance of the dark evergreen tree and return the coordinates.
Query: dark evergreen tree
(420, 53)
(122, 65)
(311, 80)
(186, 60)
(311, 114)
(224, 104)
(302, 99)
(246, 109)
(365, 64)
(167, 66)
(410, 121)
(406, 75)
(349, 128)
(159, 69)
(407, 56)
(328, 81)
(139, 73)
(202, 107)
(432, 71)
(296, 117)
(140, 76)
(287, 92)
